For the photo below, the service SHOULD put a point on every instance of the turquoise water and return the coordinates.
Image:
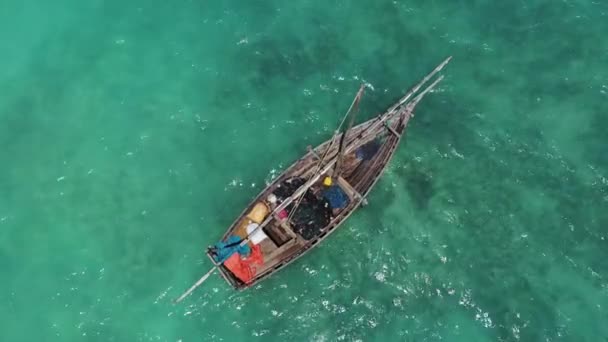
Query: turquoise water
(132, 133)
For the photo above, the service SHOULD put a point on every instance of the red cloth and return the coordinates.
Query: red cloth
(283, 214)
(245, 268)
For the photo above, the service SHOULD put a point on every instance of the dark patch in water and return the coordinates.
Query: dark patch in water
(419, 184)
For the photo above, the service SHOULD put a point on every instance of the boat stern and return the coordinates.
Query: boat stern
(228, 277)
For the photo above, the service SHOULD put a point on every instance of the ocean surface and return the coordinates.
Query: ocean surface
(132, 133)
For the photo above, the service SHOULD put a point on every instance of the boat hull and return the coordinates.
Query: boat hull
(393, 137)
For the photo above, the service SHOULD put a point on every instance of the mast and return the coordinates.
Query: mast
(352, 111)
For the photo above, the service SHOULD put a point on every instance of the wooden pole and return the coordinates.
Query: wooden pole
(197, 284)
(390, 113)
(410, 106)
(420, 84)
(354, 106)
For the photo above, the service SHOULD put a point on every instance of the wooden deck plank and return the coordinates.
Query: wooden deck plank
(392, 130)
(351, 192)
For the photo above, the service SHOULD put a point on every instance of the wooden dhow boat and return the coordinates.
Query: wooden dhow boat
(313, 196)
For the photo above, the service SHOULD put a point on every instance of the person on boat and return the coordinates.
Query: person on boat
(222, 250)
(334, 195)
(271, 201)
